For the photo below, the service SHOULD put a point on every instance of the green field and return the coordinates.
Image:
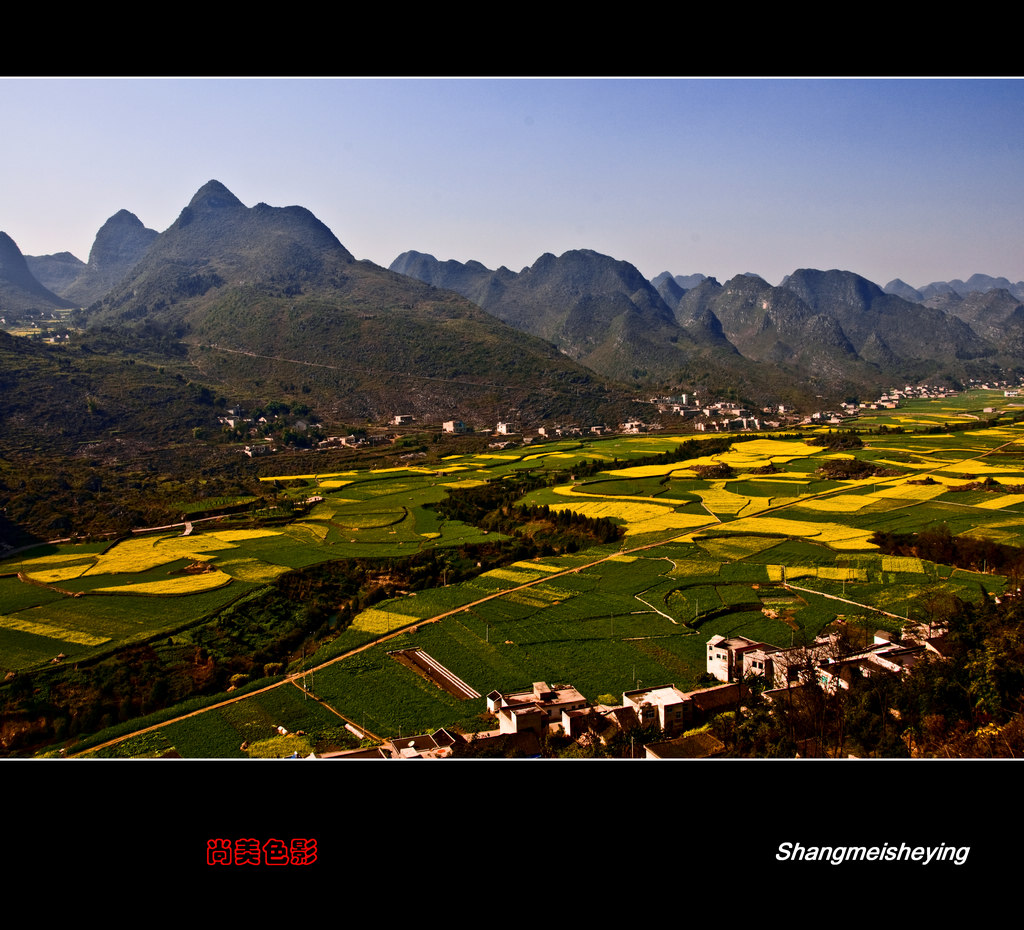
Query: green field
(698, 558)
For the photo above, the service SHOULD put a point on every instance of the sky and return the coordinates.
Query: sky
(921, 180)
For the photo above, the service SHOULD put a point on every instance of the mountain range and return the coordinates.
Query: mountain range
(265, 301)
(975, 284)
(601, 312)
(817, 332)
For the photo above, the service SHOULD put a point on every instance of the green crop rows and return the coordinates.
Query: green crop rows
(641, 609)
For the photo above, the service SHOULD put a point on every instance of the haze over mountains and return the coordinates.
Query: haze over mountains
(265, 300)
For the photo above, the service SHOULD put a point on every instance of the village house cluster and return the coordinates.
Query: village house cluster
(725, 417)
(714, 416)
(524, 717)
(736, 658)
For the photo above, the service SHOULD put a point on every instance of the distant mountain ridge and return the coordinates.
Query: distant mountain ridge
(55, 272)
(19, 288)
(217, 240)
(253, 292)
(833, 329)
(772, 325)
(872, 319)
(120, 243)
(268, 295)
(598, 310)
(976, 283)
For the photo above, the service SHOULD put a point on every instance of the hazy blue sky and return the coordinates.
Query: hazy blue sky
(917, 179)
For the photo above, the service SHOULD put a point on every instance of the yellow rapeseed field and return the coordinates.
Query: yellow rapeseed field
(687, 567)
(144, 553)
(252, 570)
(537, 567)
(842, 503)
(179, 584)
(842, 537)
(394, 468)
(978, 468)
(835, 535)
(833, 573)
(49, 560)
(777, 447)
(515, 576)
(638, 518)
(51, 631)
(760, 452)
(231, 536)
(902, 563)
(905, 464)
(792, 572)
(752, 454)
(649, 471)
(53, 575)
(917, 492)
(718, 500)
(1005, 433)
(377, 620)
(757, 504)
(999, 501)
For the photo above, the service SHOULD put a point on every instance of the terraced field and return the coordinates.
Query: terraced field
(776, 552)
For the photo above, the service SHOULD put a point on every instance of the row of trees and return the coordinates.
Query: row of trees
(938, 544)
(538, 529)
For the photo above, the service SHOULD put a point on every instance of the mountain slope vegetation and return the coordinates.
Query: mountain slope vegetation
(268, 296)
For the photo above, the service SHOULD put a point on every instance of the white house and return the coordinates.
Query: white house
(533, 709)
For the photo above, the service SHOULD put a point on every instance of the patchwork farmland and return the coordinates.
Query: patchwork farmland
(776, 549)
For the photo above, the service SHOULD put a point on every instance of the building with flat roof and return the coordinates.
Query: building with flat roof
(534, 709)
(725, 658)
(666, 707)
